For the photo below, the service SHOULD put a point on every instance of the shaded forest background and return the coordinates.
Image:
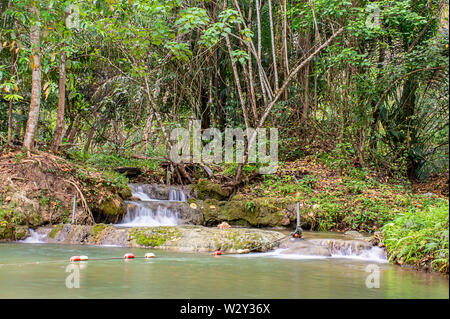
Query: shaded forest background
(365, 82)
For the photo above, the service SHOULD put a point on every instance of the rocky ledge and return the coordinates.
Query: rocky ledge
(177, 238)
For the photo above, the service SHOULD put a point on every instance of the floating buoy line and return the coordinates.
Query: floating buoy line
(84, 258)
(128, 256)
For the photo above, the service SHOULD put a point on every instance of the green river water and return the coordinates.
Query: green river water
(194, 275)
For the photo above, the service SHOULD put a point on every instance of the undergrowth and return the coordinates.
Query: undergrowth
(420, 238)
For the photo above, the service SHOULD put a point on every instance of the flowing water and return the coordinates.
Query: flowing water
(194, 275)
(155, 205)
(323, 265)
(34, 238)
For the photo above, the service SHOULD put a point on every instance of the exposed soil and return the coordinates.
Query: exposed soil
(40, 190)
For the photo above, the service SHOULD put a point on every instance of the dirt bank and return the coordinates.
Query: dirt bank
(40, 190)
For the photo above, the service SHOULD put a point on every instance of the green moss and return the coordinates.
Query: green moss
(21, 232)
(192, 200)
(97, 229)
(233, 239)
(125, 192)
(211, 190)
(266, 212)
(155, 236)
(112, 207)
(55, 230)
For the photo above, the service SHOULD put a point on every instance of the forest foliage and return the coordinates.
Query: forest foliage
(364, 80)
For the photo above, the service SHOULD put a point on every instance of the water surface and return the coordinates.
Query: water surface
(194, 275)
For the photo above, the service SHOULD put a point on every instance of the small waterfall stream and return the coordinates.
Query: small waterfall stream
(155, 205)
(34, 238)
(311, 248)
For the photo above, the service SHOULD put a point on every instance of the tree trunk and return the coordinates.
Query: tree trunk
(33, 115)
(252, 138)
(74, 130)
(10, 111)
(59, 129)
(272, 40)
(89, 140)
(18, 128)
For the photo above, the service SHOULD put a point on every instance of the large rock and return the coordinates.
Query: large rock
(176, 238)
(260, 212)
(110, 210)
(324, 247)
(207, 189)
(304, 248)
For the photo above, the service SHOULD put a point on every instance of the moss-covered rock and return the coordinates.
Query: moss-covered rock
(259, 212)
(21, 232)
(155, 236)
(125, 193)
(207, 189)
(198, 238)
(55, 230)
(186, 238)
(112, 207)
(97, 229)
(110, 210)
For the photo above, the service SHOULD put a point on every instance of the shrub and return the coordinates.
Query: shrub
(420, 238)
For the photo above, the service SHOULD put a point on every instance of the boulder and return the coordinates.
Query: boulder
(223, 225)
(207, 189)
(176, 238)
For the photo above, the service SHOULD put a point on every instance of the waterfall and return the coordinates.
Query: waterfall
(34, 238)
(177, 195)
(326, 248)
(154, 205)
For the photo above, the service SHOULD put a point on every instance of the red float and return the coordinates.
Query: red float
(128, 256)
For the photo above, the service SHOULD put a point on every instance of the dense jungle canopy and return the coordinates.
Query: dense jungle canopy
(365, 80)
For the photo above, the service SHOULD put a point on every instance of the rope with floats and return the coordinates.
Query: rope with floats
(83, 258)
(297, 234)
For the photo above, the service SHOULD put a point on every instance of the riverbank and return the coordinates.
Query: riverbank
(419, 239)
(39, 190)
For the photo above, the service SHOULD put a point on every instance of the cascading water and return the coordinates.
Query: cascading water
(34, 238)
(177, 195)
(326, 248)
(157, 205)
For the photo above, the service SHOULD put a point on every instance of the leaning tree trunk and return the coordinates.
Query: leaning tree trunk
(59, 129)
(33, 115)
